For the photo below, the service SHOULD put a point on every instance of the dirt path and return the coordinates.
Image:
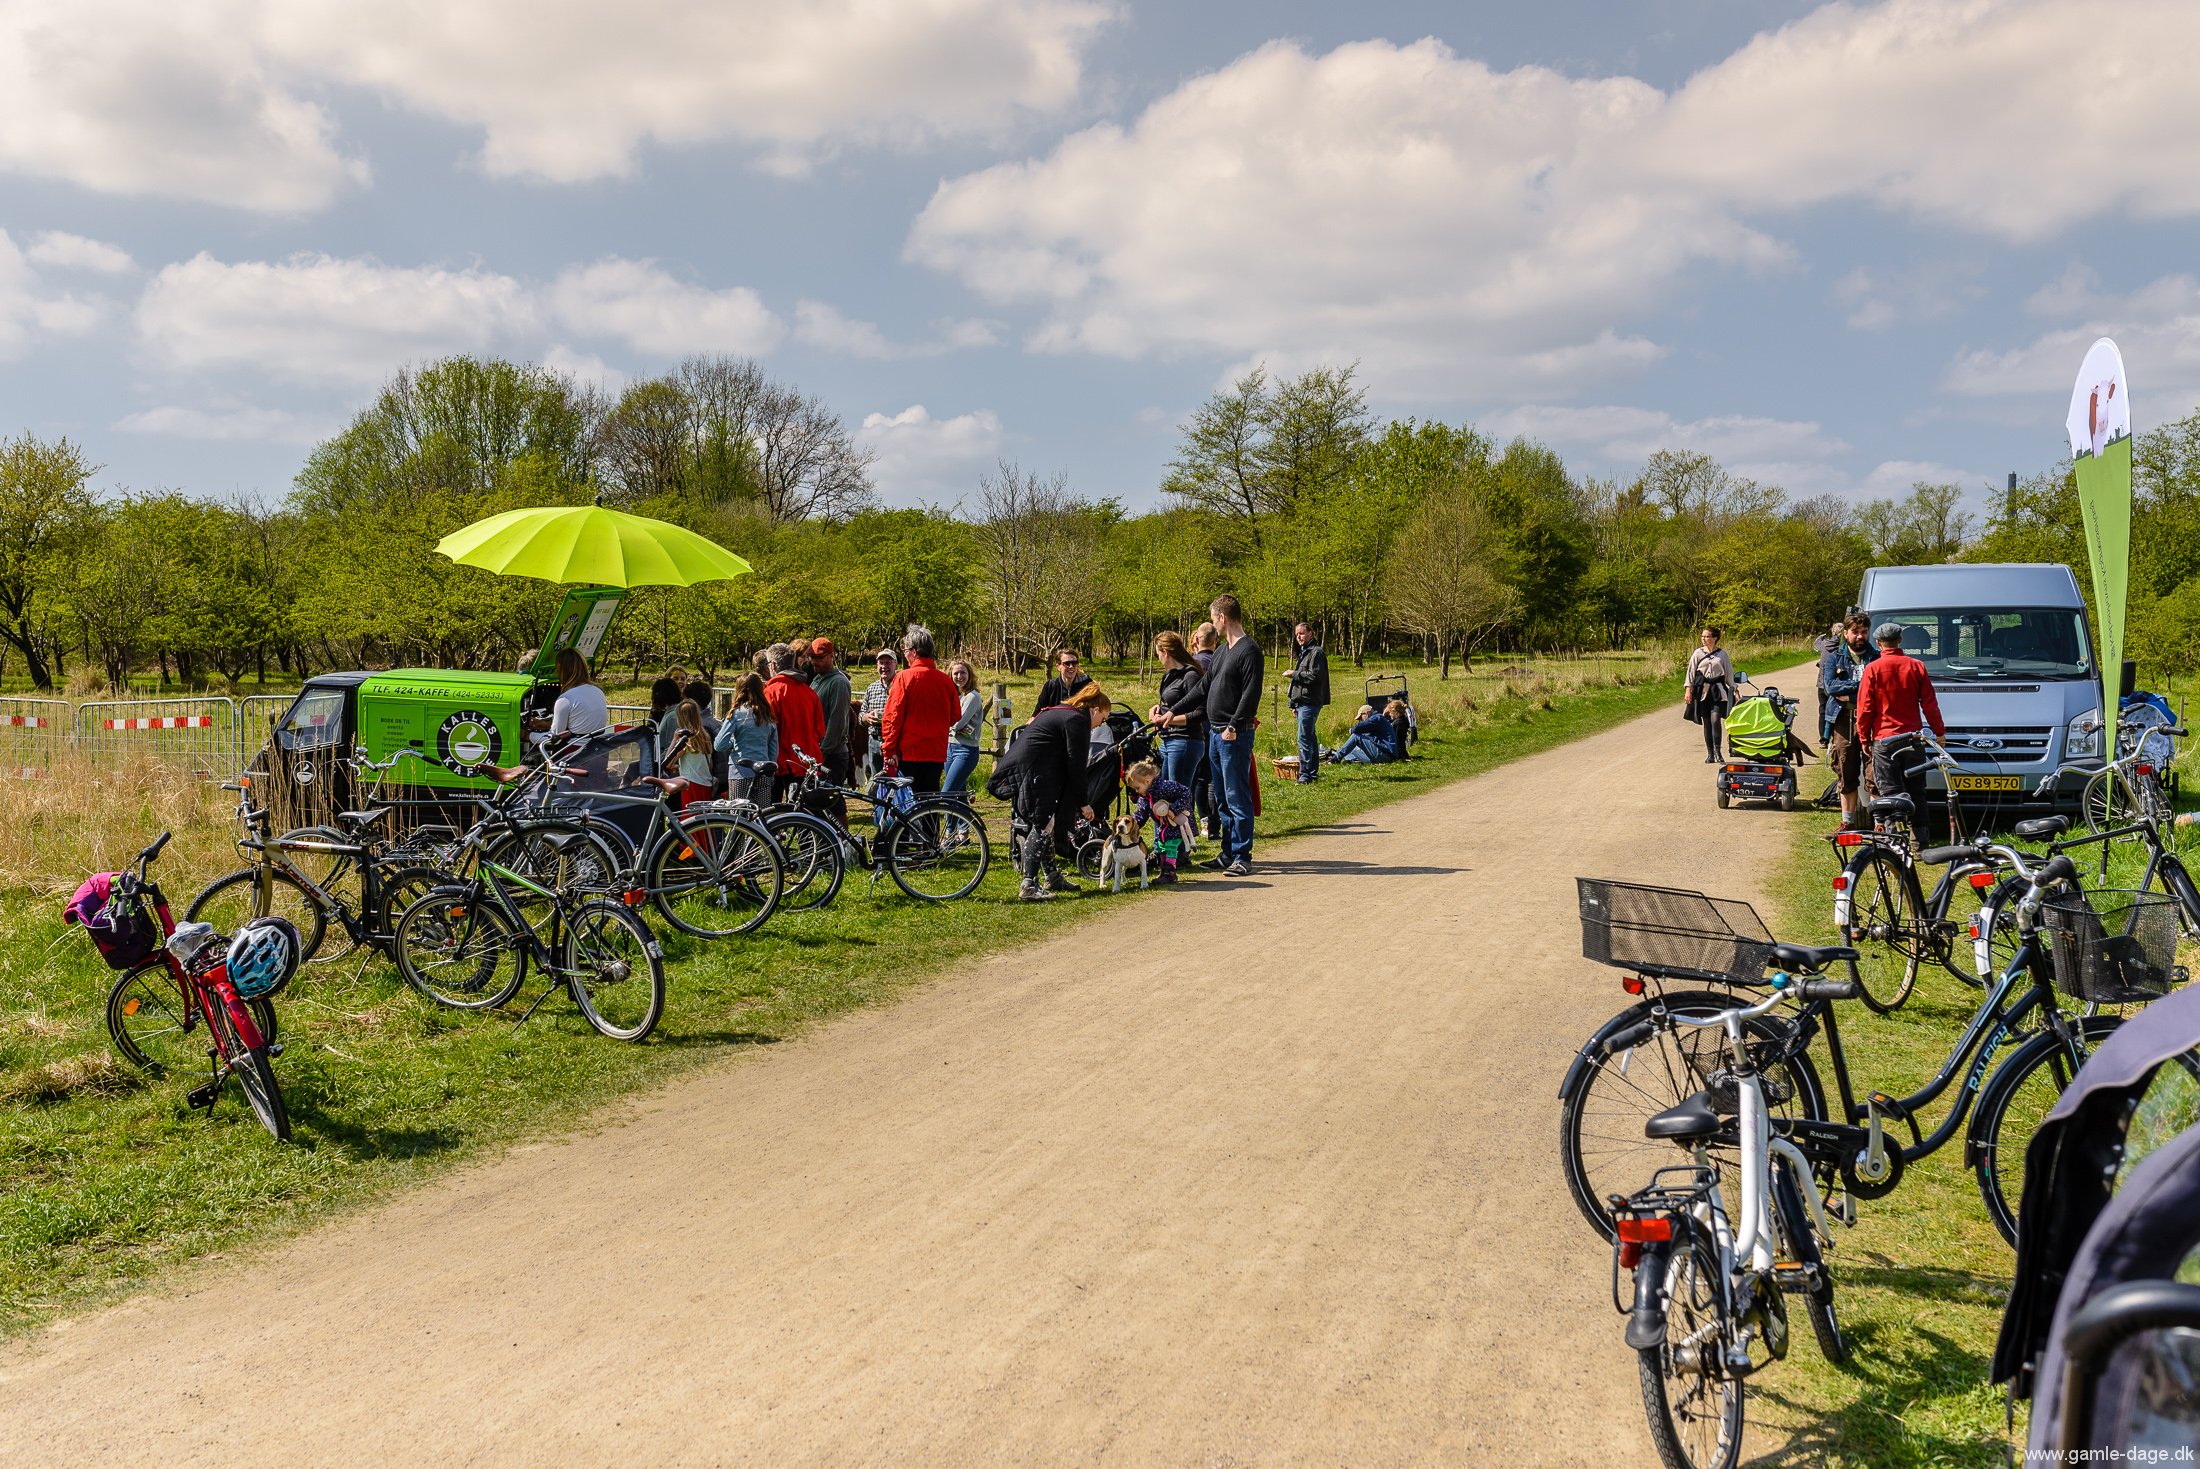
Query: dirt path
(1275, 1183)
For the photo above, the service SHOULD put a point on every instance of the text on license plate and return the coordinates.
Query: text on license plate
(1986, 782)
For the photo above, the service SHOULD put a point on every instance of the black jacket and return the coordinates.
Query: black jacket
(1050, 757)
(1184, 691)
(1233, 686)
(1310, 678)
(1054, 691)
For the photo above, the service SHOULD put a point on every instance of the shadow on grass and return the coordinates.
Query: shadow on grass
(699, 1038)
(361, 1141)
(1893, 1372)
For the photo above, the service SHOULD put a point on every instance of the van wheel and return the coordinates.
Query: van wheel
(1724, 799)
(1787, 800)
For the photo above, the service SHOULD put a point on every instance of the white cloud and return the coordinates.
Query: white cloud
(225, 101)
(584, 367)
(324, 318)
(61, 251)
(1468, 230)
(227, 425)
(1624, 435)
(179, 101)
(820, 325)
(1892, 478)
(640, 304)
(918, 457)
(2157, 327)
(1878, 299)
(31, 311)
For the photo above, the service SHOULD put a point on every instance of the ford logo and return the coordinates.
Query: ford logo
(1985, 744)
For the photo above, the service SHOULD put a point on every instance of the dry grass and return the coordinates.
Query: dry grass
(81, 817)
(85, 1074)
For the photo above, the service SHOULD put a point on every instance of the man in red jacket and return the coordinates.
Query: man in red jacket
(1894, 700)
(794, 704)
(920, 709)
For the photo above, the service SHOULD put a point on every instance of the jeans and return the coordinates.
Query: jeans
(1310, 750)
(1361, 750)
(1180, 761)
(1231, 761)
(961, 761)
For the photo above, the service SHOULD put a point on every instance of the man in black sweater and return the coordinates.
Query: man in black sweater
(1068, 678)
(1309, 695)
(1233, 704)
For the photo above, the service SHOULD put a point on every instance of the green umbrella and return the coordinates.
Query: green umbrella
(589, 544)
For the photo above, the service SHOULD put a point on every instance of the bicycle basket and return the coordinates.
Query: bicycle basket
(1672, 932)
(2112, 947)
(122, 925)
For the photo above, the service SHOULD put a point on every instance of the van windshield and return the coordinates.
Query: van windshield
(1977, 644)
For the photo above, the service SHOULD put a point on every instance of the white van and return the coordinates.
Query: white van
(2012, 662)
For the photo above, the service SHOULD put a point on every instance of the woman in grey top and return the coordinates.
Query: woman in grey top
(1711, 681)
(962, 739)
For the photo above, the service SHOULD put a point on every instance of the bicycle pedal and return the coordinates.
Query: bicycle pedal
(274, 1049)
(203, 1094)
(1842, 1207)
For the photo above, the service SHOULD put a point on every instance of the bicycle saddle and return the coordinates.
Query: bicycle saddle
(2042, 826)
(1892, 806)
(362, 819)
(1684, 1122)
(1808, 959)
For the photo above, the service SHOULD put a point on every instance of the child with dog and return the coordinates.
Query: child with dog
(1168, 804)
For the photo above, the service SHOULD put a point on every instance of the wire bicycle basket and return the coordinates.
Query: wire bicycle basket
(2112, 947)
(1672, 932)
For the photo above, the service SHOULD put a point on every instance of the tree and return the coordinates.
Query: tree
(1446, 581)
(44, 508)
(1036, 545)
(1263, 450)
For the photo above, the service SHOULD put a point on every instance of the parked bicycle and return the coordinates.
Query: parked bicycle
(469, 945)
(2108, 950)
(933, 846)
(179, 977)
(1710, 1285)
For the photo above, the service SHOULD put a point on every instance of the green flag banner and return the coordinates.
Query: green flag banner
(2100, 446)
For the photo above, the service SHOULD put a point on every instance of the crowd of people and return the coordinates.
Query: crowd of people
(1873, 700)
(796, 709)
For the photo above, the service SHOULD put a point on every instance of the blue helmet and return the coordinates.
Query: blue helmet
(263, 956)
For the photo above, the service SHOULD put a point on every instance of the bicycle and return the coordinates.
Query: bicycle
(1710, 1293)
(2164, 866)
(2128, 787)
(933, 845)
(711, 869)
(1636, 1064)
(302, 875)
(1879, 899)
(155, 1005)
(467, 946)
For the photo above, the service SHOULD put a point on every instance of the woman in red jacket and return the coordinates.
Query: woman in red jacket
(920, 709)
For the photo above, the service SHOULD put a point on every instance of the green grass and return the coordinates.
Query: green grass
(1923, 1277)
(107, 1180)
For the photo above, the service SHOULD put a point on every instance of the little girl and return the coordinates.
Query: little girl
(1169, 805)
(690, 752)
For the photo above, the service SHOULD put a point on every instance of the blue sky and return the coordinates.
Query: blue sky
(1841, 248)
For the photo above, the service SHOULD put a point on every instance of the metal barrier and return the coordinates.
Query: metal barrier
(254, 713)
(201, 733)
(31, 731)
(629, 713)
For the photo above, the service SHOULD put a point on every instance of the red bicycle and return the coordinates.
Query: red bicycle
(176, 977)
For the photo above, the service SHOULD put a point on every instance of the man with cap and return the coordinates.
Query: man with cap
(1894, 700)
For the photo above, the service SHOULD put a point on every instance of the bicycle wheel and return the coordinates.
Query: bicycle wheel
(2178, 884)
(459, 951)
(399, 890)
(2017, 1099)
(810, 851)
(1799, 1243)
(715, 876)
(563, 856)
(147, 1020)
(333, 873)
(1607, 1099)
(1882, 924)
(2110, 799)
(1695, 1409)
(250, 1068)
(615, 969)
(256, 892)
(939, 852)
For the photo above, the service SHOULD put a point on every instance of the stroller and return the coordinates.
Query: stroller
(1762, 751)
(1116, 746)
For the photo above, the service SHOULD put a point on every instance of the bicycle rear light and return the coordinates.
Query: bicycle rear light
(1644, 1229)
(1848, 839)
(635, 897)
(1840, 882)
(2142, 770)
(1982, 879)
(1633, 984)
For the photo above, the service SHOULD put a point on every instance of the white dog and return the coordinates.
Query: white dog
(1125, 849)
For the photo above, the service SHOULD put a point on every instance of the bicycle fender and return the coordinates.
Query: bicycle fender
(1646, 1323)
(2092, 1029)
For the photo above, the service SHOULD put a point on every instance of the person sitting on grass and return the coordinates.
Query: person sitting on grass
(1168, 804)
(1372, 741)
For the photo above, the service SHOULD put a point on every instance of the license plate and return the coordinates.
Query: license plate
(1986, 782)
